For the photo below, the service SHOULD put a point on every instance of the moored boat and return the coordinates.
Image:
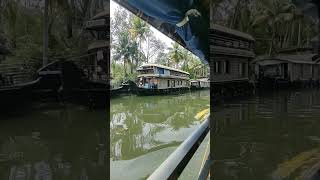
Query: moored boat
(198, 84)
(155, 79)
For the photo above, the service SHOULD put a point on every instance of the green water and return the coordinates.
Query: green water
(269, 136)
(145, 130)
(53, 142)
(266, 136)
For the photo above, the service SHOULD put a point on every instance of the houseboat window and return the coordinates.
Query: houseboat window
(161, 70)
(241, 69)
(168, 83)
(218, 67)
(244, 69)
(226, 67)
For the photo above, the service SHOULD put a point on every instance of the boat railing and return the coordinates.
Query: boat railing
(15, 73)
(174, 165)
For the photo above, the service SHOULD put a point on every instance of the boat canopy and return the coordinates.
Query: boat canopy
(184, 21)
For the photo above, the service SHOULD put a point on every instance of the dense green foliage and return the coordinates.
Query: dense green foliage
(22, 27)
(275, 24)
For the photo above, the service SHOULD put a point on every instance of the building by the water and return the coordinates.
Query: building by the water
(287, 68)
(99, 50)
(163, 78)
(298, 65)
(231, 51)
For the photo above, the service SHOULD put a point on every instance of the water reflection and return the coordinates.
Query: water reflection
(140, 125)
(253, 137)
(54, 143)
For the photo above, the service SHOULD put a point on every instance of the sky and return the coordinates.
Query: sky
(158, 34)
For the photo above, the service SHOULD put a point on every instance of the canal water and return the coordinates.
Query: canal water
(53, 142)
(145, 130)
(267, 136)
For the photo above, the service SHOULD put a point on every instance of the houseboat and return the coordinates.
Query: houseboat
(284, 70)
(231, 51)
(84, 79)
(202, 83)
(158, 79)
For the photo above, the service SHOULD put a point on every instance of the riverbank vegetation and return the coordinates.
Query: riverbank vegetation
(21, 29)
(275, 24)
(133, 42)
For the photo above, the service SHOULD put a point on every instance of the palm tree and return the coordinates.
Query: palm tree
(139, 30)
(11, 15)
(175, 55)
(122, 50)
(127, 50)
(274, 13)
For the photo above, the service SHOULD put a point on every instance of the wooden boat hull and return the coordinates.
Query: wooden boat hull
(16, 96)
(154, 92)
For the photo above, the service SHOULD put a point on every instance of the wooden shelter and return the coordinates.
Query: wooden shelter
(99, 50)
(287, 68)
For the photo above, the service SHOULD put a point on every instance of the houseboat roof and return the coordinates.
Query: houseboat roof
(305, 50)
(294, 58)
(233, 32)
(200, 80)
(164, 67)
(102, 15)
(99, 44)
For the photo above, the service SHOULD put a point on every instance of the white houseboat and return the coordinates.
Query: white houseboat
(155, 79)
(202, 83)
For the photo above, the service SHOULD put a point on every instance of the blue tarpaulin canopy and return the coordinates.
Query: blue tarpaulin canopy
(184, 21)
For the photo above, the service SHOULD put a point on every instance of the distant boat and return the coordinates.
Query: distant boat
(202, 83)
(156, 79)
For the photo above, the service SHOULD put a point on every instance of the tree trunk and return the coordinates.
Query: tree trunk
(285, 41)
(272, 39)
(292, 34)
(235, 15)
(45, 34)
(70, 19)
(299, 33)
(124, 67)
